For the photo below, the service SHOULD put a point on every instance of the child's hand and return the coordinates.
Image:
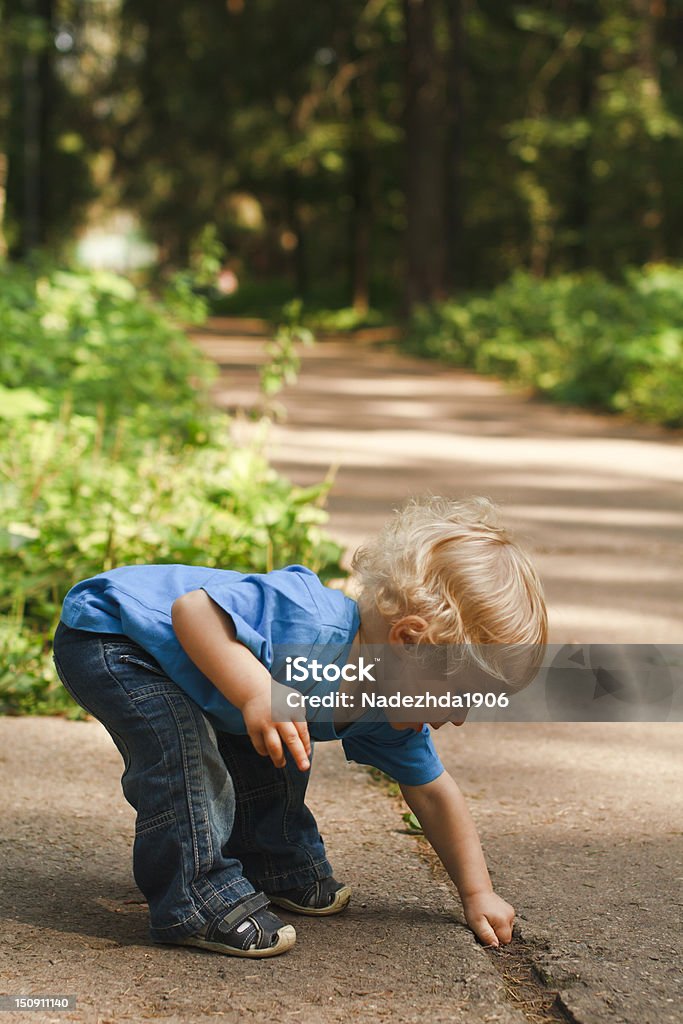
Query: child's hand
(267, 735)
(489, 917)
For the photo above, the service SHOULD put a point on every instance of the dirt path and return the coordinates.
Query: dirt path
(582, 824)
(75, 924)
(599, 500)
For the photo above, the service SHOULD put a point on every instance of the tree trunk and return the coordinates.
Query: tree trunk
(425, 219)
(653, 214)
(360, 231)
(297, 249)
(360, 188)
(579, 206)
(27, 201)
(455, 270)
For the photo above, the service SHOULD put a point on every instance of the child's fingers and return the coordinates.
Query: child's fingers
(504, 930)
(485, 933)
(302, 729)
(258, 744)
(502, 926)
(273, 747)
(291, 735)
(503, 923)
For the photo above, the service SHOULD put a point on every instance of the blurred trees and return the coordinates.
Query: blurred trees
(384, 146)
(49, 79)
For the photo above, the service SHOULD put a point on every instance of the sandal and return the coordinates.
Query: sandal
(319, 899)
(248, 929)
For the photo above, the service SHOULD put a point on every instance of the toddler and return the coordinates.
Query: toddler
(178, 661)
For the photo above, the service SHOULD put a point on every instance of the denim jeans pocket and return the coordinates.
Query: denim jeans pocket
(139, 674)
(129, 652)
(148, 662)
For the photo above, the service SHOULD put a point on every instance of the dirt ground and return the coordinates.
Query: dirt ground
(582, 823)
(75, 924)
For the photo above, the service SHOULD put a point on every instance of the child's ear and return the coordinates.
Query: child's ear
(408, 630)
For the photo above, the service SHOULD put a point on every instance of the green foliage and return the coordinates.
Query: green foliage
(284, 361)
(324, 308)
(256, 299)
(29, 684)
(412, 823)
(95, 342)
(90, 480)
(72, 508)
(575, 338)
(344, 319)
(561, 126)
(390, 786)
(188, 294)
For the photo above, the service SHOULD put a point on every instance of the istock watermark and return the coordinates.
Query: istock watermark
(521, 683)
(303, 669)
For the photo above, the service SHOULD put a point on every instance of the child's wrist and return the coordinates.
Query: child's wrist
(471, 894)
(259, 692)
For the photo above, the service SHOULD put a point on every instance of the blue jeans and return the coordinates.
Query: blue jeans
(215, 820)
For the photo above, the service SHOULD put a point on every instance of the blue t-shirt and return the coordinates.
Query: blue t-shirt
(272, 612)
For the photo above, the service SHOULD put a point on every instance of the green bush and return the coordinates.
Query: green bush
(71, 508)
(95, 341)
(576, 338)
(88, 483)
(29, 684)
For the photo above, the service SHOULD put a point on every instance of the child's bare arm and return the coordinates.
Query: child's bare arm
(207, 635)
(447, 824)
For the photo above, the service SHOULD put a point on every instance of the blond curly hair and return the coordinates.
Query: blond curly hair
(454, 564)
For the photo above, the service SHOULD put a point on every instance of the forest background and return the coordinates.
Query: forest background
(364, 152)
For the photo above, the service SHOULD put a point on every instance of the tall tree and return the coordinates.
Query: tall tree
(55, 57)
(650, 14)
(587, 17)
(5, 79)
(360, 178)
(425, 241)
(30, 131)
(455, 154)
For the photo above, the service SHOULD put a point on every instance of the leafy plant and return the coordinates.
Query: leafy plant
(189, 292)
(90, 480)
(284, 360)
(29, 684)
(412, 824)
(575, 338)
(110, 350)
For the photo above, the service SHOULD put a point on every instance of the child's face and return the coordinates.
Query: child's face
(407, 631)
